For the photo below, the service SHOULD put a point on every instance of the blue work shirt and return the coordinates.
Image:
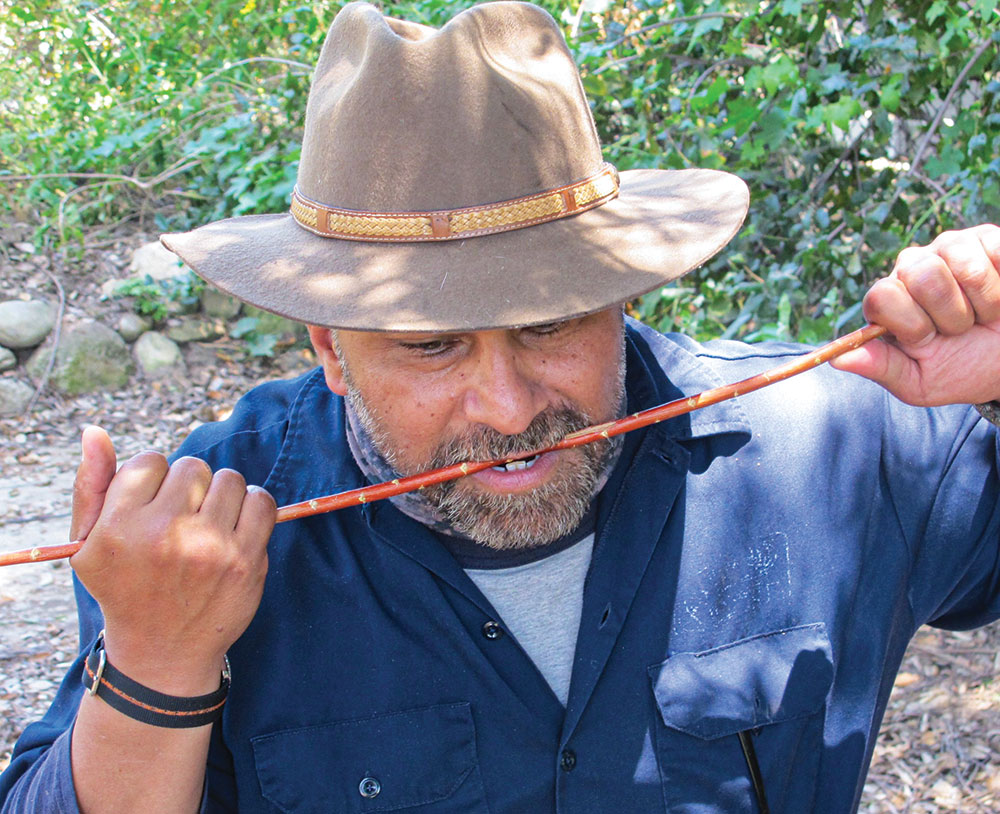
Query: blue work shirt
(760, 566)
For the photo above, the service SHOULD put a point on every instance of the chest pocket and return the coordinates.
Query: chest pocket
(396, 762)
(774, 685)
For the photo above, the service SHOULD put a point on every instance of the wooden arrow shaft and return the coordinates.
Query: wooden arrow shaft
(654, 415)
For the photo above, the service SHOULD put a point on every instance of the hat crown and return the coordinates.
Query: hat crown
(407, 118)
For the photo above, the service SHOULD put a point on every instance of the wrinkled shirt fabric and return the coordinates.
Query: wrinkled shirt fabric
(759, 565)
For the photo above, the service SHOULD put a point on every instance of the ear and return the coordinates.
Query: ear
(322, 342)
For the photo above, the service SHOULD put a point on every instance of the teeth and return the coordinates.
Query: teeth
(514, 466)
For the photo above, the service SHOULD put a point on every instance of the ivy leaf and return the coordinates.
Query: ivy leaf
(243, 327)
(780, 73)
(841, 112)
(938, 9)
(947, 163)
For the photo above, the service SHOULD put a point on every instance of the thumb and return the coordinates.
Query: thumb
(93, 477)
(885, 364)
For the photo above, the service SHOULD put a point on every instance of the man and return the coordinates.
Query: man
(705, 616)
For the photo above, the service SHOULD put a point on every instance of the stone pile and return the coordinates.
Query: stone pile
(90, 356)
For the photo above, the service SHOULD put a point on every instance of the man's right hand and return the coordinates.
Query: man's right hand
(175, 556)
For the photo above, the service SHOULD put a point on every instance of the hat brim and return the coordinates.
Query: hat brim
(662, 224)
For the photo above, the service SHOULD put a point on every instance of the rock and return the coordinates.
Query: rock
(110, 287)
(158, 262)
(216, 304)
(131, 326)
(14, 396)
(182, 306)
(8, 360)
(90, 357)
(193, 329)
(25, 323)
(268, 323)
(158, 355)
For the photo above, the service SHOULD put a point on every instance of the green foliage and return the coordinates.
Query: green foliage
(151, 298)
(257, 343)
(860, 127)
(265, 334)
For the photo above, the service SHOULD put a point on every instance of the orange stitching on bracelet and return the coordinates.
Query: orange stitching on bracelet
(149, 707)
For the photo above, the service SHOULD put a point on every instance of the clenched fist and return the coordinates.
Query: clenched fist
(176, 557)
(941, 303)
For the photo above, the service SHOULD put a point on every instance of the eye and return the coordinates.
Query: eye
(546, 329)
(430, 347)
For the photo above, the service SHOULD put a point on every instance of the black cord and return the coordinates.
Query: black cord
(746, 742)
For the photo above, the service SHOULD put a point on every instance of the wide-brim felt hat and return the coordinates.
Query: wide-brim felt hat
(452, 179)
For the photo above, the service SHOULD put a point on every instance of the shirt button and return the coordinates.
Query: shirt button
(567, 760)
(492, 631)
(369, 787)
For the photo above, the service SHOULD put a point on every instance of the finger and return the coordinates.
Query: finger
(94, 475)
(257, 516)
(224, 500)
(184, 488)
(989, 236)
(887, 365)
(888, 303)
(974, 259)
(138, 480)
(928, 278)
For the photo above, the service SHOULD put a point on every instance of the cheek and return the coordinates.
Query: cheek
(416, 423)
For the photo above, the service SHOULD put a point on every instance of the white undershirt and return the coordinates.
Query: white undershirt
(540, 605)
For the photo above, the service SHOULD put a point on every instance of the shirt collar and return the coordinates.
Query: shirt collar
(662, 369)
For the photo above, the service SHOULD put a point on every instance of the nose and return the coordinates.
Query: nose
(501, 390)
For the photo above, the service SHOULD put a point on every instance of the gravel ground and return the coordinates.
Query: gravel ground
(940, 744)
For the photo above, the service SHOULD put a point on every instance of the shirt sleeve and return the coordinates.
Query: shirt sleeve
(46, 787)
(953, 528)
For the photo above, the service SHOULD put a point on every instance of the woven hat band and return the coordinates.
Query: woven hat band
(454, 224)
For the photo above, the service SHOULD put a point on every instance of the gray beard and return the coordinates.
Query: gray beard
(504, 522)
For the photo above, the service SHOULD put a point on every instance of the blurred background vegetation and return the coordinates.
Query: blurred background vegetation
(860, 127)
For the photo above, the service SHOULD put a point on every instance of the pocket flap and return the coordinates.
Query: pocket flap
(380, 763)
(762, 680)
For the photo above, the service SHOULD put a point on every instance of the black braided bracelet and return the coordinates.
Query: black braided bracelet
(990, 411)
(137, 701)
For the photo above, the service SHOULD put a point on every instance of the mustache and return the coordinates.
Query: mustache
(485, 443)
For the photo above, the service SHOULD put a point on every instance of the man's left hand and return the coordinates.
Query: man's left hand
(941, 303)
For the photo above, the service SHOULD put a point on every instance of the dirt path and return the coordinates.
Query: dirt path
(38, 636)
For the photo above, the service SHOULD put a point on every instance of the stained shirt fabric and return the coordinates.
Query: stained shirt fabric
(759, 565)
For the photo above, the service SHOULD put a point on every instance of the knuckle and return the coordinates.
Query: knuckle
(261, 499)
(911, 255)
(975, 276)
(949, 238)
(925, 275)
(147, 459)
(229, 477)
(193, 468)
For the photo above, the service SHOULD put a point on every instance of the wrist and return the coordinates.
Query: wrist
(162, 669)
(149, 706)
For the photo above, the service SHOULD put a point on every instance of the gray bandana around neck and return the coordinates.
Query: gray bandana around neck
(376, 469)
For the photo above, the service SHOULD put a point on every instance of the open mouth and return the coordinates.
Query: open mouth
(514, 466)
